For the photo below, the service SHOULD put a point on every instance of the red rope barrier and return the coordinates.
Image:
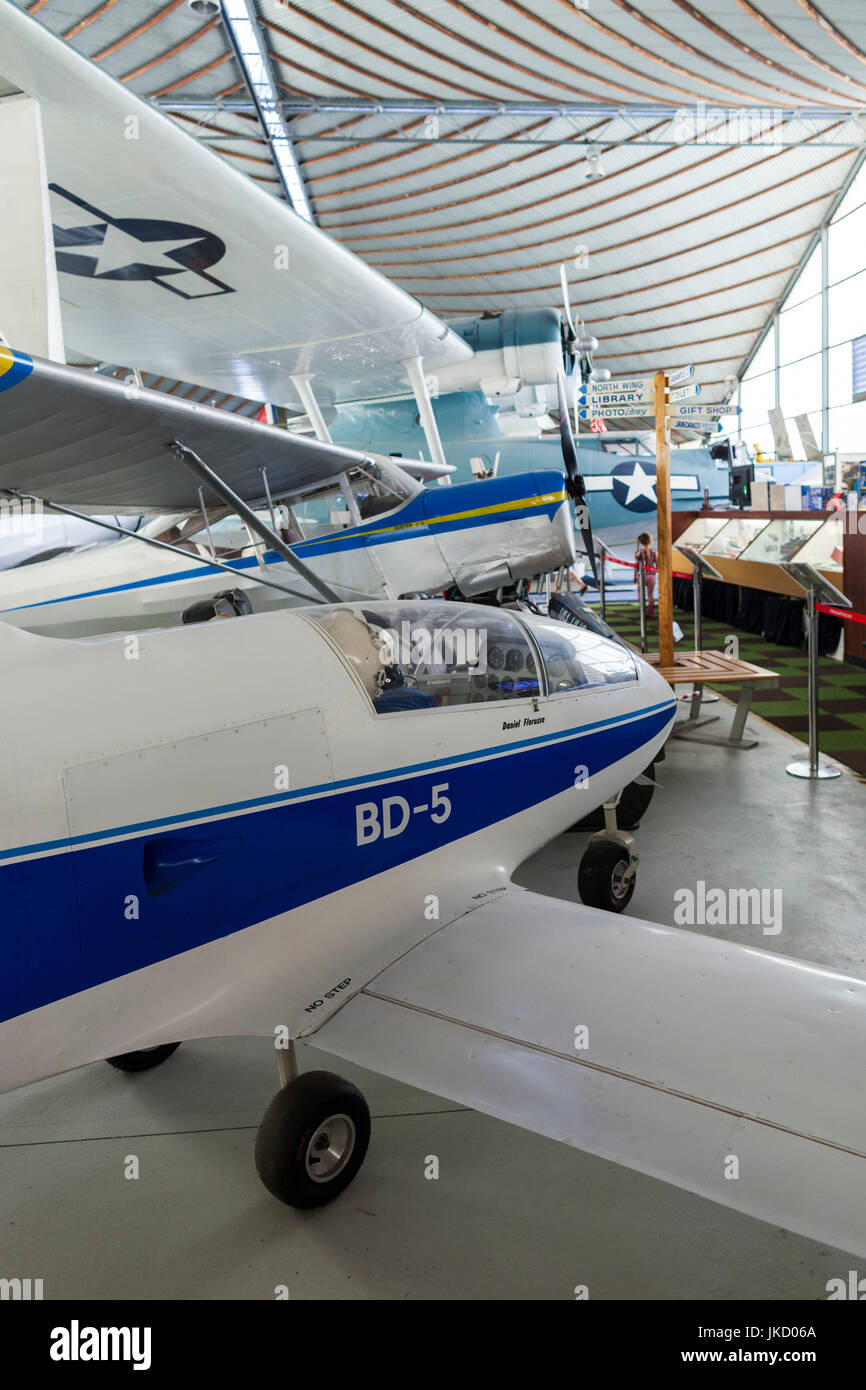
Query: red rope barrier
(630, 564)
(847, 613)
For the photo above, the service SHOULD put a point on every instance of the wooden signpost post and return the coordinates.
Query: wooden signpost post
(663, 525)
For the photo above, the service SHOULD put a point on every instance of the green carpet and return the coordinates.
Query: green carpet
(842, 689)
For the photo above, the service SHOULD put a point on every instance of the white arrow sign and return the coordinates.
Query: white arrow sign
(620, 383)
(683, 392)
(701, 424)
(612, 412)
(681, 374)
(716, 411)
(615, 397)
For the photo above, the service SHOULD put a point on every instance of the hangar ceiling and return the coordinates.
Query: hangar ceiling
(447, 142)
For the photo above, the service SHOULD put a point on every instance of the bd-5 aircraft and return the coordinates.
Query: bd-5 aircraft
(304, 823)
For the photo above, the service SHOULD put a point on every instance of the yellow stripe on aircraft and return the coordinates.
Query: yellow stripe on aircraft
(515, 505)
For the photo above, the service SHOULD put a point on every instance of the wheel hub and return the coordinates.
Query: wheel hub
(620, 880)
(330, 1148)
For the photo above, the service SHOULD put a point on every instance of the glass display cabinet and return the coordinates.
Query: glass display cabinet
(781, 539)
(824, 548)
(701, 531)
(731, 540)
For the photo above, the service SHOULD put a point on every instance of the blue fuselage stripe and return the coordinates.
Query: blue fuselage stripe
(67, 923)
(409, 523)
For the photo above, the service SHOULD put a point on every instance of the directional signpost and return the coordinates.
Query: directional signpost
(697, 423)
(663, 396)
(704, 408)
(703, 418)
(680, 374)
(613, 412)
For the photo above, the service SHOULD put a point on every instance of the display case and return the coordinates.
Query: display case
(701, 531)
(781, 540)
(824, 548)
(731, 540)
(749, 549)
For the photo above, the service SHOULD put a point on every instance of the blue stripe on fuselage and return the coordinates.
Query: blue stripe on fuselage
(277, 857)
(424, 514)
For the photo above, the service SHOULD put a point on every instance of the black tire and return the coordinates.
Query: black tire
(600, 876)
(285, 1152)
(144, 1060)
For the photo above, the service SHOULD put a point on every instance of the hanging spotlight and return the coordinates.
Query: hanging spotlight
(205, 9)
(594, 167)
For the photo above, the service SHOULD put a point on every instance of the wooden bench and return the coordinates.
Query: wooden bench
(715, 668)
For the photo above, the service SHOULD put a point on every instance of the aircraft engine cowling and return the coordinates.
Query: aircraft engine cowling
(521, 347)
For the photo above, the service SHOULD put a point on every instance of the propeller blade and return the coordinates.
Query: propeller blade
(573, 479)
(569, 452)
(566, 304)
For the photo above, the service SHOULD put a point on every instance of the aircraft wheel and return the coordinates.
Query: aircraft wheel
(145, 1059)
(605, 878)
(313, 1139)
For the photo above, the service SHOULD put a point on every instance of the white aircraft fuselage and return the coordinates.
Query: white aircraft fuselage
(477, 536)
(220, 834)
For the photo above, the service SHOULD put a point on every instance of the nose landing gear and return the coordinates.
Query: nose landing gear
(607, 872)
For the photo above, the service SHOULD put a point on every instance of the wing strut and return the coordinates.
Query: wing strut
(151, 540)
(206, 475)
(415, 371)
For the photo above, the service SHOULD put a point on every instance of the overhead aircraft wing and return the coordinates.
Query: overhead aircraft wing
(725, 1070)
(173, 262)
(90, 442)
(421, 469)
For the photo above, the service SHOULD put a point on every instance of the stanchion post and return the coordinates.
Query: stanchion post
(601, 588)
(697, 581)
(815, 586)
(641, 598)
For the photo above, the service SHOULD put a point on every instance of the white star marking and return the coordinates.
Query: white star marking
(119, 249)
(640, 485)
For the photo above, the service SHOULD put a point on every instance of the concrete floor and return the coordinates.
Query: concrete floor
(512, 1216)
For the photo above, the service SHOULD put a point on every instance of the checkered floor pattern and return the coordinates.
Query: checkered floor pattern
(842, 688)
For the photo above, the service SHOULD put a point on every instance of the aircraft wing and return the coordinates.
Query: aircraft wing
(173, 262)
(90, 442)
(725, 1070)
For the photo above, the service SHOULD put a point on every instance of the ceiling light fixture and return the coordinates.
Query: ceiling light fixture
(246, 37)
(594, 167)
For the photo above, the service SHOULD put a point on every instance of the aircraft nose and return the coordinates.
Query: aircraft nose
(655, 686)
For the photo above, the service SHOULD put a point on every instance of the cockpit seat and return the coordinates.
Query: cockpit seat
(375, 506)
(403, 697)
(231, 603)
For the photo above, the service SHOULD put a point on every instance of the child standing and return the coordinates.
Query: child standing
(650, 559)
